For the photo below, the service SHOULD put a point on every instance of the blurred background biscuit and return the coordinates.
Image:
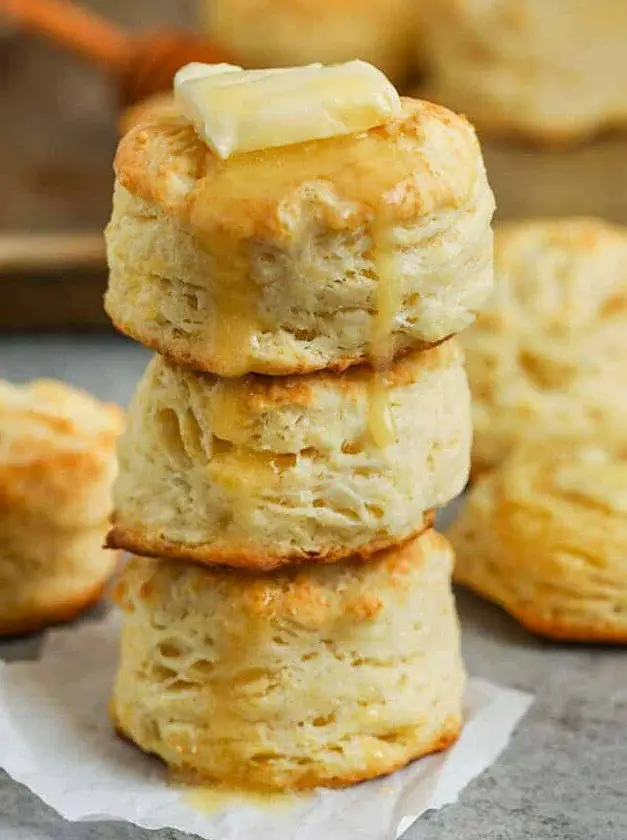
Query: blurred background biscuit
(259, 472)
(551, 72)
(546, 357)
(323, 675)
(279, 33)
(57, 465)
(299, 258)
(545, 536)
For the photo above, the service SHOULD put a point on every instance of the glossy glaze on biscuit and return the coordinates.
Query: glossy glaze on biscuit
(261, 471)
(313, 676)
(300, 258)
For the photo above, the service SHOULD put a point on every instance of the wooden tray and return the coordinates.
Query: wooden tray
(52, 282)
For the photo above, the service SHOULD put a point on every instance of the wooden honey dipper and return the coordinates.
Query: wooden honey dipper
(142, 65)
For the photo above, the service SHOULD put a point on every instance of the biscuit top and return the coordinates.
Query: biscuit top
(593, 478)
(57, 458)
(427, 159)
(575, 479)
(159, 105)
(45, 418)
(319, 597)
(560, 275)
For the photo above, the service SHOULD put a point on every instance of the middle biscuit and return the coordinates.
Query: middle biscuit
(259, 471)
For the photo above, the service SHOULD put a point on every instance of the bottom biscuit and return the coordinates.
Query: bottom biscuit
(449, 734)
(323, 675)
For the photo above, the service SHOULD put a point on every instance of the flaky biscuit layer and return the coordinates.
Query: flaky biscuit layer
(322, 675)
(303, 257)
(545, 536)
(265, 471)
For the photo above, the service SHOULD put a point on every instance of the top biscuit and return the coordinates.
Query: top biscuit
(304, 257)
(57, 458)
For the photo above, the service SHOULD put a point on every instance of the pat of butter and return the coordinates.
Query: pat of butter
(237, 111)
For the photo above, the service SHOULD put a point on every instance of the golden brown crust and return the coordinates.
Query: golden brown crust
(544, 535)
(451, 730)
(62, 612)
(241, 558)
(426, 160)
(153, 107)
(555, 627)
(307, 676)
(55, 442)
(293, 590)
(185, 356)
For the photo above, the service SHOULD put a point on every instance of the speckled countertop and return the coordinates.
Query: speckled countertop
(564, 774)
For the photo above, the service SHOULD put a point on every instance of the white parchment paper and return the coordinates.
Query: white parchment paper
(55, 738)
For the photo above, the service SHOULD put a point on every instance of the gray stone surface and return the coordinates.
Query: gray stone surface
(564, 774)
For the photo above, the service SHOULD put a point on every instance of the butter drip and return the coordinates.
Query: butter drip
(387, 296)
(215, 800)
(387, 302)
(380, 421)
(234, 318)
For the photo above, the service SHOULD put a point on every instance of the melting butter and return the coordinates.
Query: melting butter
(215, 800)
(380, 420)
(387, 303)
(234, 320)
(387, 296)
(237, 111)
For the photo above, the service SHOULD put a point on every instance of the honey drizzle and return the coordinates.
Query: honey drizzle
(387, 302)
(234, 321)
(216, 800)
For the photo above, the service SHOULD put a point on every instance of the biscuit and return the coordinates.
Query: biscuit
(57, 465)
(304, 257)
(550, 72)
(279, 33)
(157, 106)
(545, 536)
(319, 675)
(259, 472)
(547, 355)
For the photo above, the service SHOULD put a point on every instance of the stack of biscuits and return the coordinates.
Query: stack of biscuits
(288, 616)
